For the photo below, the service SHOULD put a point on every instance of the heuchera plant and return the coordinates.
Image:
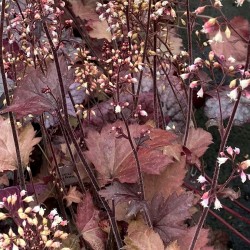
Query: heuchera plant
(99, 138)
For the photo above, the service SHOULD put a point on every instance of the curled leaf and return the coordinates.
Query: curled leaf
(27, 140)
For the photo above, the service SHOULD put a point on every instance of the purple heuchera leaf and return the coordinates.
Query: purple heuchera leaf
(116, 160)
(168, 215)
(32, 93)
(122, 192)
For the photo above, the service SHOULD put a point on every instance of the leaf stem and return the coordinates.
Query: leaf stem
(7, 97)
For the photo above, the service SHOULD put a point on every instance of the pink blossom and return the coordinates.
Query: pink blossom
(217, 204)
(23, 192)
(243, 176)
(200, 9)
(192, 67)
(143, 113)
(244, 164)
(239, 2)
(236, 151)
(52, 213)
(230, 151)
(198, 61)
(193, 84)
(200, 93)
(221, 160)
(210, 26)
(201, 179)
(64, 223)
(184, 76)
(205, 199)
(233, 94)
(244, 83)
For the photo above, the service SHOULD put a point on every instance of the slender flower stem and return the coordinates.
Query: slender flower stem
(199, 227)
(76, 170)
(139, 171)
(7, 97)
(60, 80)
(189, 33)
(155, 76)
(227, 209)
(144, 54)
(248, 56)
(67, 125)
(216, 172)
(94, 183)
(189, 114)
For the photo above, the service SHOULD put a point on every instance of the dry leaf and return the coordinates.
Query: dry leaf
(197, 143)
(73, 195)
(173, 246)
(86, 11)
(141, 237)
(27, 140)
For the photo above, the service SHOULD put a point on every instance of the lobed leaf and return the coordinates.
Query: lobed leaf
(27, 140)
(29, 95)
(87, 223)
(116, 160)
(168, 216)
(141, 237)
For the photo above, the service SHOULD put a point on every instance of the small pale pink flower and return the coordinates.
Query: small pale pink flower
(201, 179)
(236, 151)
(221, 160)
(198, 61)
(23, 192)
(52, 213)
(184, 76)
(230, 151)
(231, 59)
(218, 37)
(239, 2)
(210, 26)
(200, 93)
(233, 94)
(118, 109)
(192, 68)
(217, 204)
(243, 176)
(36, 209)
(193, 84)
(199, 10)
(205, 199)
(244, 83)
(64, 223)
(143, 113)
(244, 164)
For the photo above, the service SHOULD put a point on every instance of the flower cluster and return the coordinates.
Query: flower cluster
(34, 229)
